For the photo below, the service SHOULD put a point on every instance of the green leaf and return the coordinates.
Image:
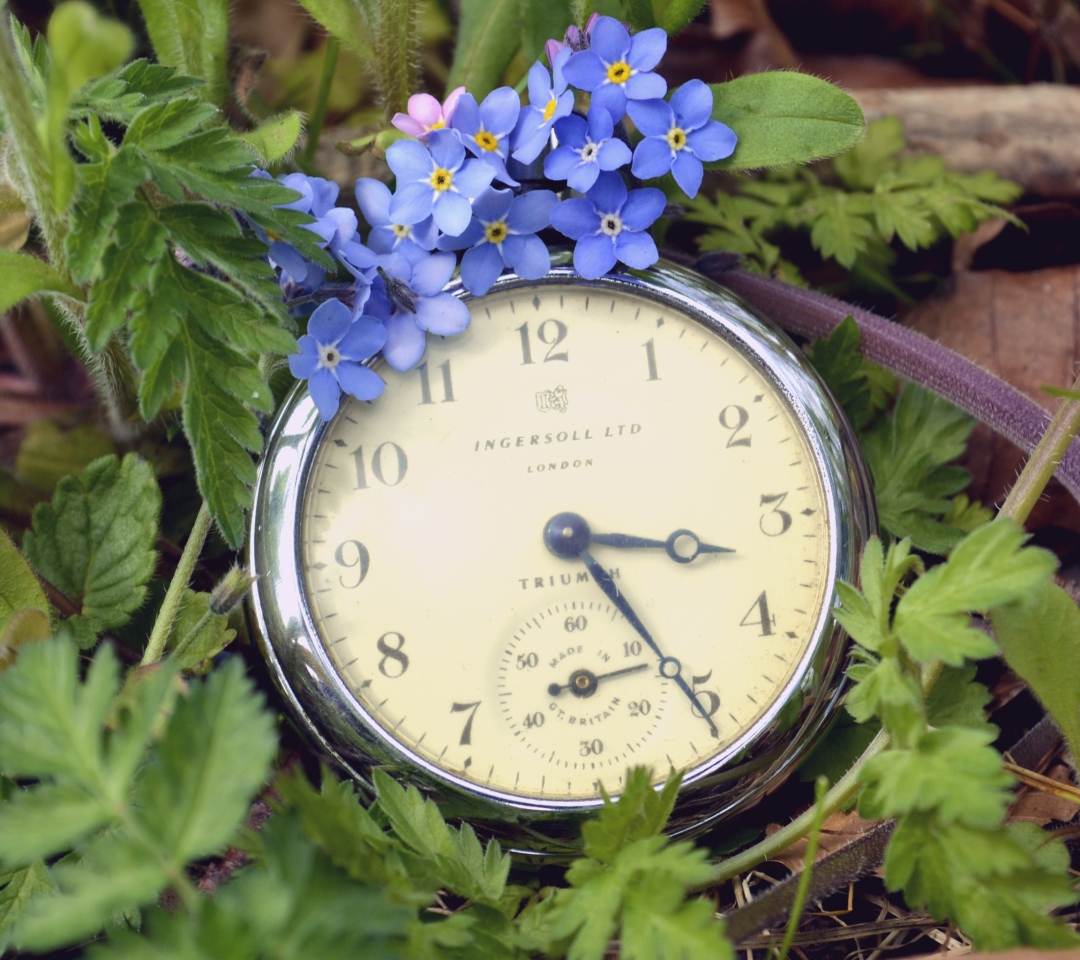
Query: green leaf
(275, 138)
(83, 44)
(639, 14)
(18, 889)
(197, 634)
(839, 228)
(861, 167)
(346, 20)
(783, 118)
(673, 15)
(95, 541)
(49, 453)
(191, 35)
(215, 754)
(22, 276)
(19, 588)
(168, 124)
(657, 924)
(987, 569)
(640, 812)
(542, 20)
(1040, 639)
(488, 37)
(957, 701)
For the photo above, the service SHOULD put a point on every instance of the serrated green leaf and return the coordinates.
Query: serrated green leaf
(49, 453)
(1040, 639)
(783, 118)
(19, 889)
(215, 754)
(191, 35)
(22, 276)
(19, 588)
(640, 812)
(988, 568)
(883, 688)
(95, 541)
(902, 213)
(165, 125)
(48, 820)
(488, 37)
(276, 137)
(861, 167)
(957, 701)
(657, 924)
(197, 634)
(839, 228)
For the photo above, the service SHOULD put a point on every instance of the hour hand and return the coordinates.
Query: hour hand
(682, 546)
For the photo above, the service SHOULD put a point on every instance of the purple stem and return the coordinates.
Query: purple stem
(906, 352)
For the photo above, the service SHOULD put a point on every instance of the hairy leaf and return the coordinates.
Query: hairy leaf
(1040, 639)
(197, 635)
(19, 588)
(191, 35)
(22, 276)
(95, 541)
(18, 889)
(48, 453)
(346, 20)
(783, 118)
(275, 138)
(673, 15)
(640, 812)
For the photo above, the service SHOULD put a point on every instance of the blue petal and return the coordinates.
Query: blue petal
(473, 177)
(714, 141)
(585, 71)
(382, 239)
(431, 274)
(583, 176)
(687, 171)
(329, 322)
(609, 193)
(531, 211)
(480, 268)
(373, 198)
(532, 261)
(571, 131)
(397, 266)
(612, 155)
(473, 234)
(692, 103)
(446, 149)
(412, 203)
(600, 125)
(302, 365)
(492, 205)
(575, 217)
(610, 96)
(444, 314)
(299, 183)
(652, 117)
(466, 115)
(497, 164)
(500, 110)
(539, 84)
(361, 296)
(411, 251)
(557, 69)
(643, 207)
(594, 256)
(356, 257)
(610, 40)
(405, 342)
(364, 339)
(645, 86)
(652, 158)
(409, 160)
(636, 249)
(647, 48)
(528, 145)
(452, 213)
(324, 195)
(324, 390)
(362, 383)
(425, 233)
(286, 256)
(559, 163)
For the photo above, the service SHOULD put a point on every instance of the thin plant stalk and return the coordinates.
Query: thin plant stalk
(322, 97)
(170, 606)
(820, 786)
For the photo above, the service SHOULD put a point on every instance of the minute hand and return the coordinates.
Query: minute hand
(607, 584)
(625, 540)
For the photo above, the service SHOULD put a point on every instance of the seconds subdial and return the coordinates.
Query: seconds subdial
(578, 690)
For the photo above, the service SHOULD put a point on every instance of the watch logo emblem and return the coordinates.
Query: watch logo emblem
(548, 400)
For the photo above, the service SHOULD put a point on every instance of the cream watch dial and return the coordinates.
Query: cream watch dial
(476, 647)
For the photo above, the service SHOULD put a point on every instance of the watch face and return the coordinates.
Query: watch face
(594, 531)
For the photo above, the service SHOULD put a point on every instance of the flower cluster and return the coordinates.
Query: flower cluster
(456, 189)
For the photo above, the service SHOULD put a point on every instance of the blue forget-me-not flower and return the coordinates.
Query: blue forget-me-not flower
(586, 147)
(679, 135)
(486, 129)
(610, 224)
(412, 241)
(331, 354)
(503, 233)
(436, 184)
(618, 67)
(549, 100)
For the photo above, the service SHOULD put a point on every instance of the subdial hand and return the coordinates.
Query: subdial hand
(583, 683)
(567, 535)
(682, 546)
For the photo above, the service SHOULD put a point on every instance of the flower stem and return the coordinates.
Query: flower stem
(807, 870)
(155, 647)
(322, 97)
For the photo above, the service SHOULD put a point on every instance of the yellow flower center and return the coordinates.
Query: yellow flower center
(401, 231)
(619, 72)
(495, 232)
(486, 141)
(441, 179)
(549, 110)
(676, 138)
(437, 125)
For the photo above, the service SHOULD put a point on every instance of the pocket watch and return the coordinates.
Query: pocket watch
(599, 529)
